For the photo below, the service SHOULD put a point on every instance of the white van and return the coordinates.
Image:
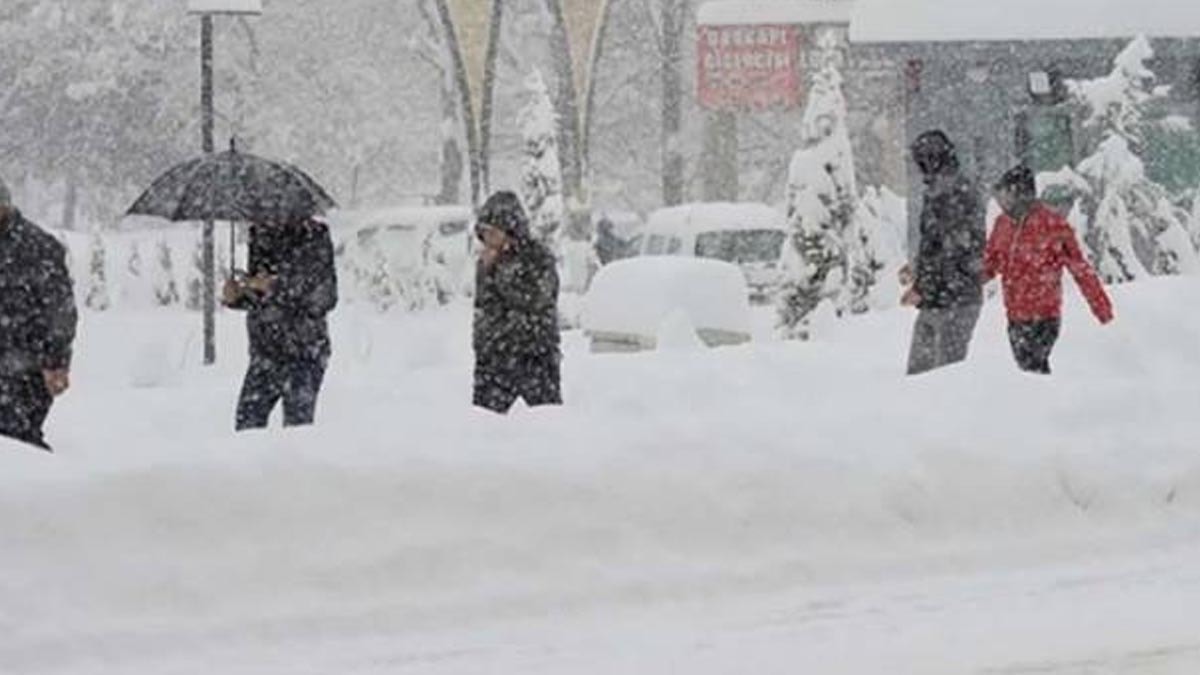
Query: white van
(749, 235)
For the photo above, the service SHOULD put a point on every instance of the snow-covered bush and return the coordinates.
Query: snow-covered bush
(96, 296)
(166, 290)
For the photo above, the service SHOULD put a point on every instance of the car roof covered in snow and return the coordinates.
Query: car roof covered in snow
(225, 7)
(635, 296)
(709, 216)
(403, 217)
(772, 12)
(1016, 20)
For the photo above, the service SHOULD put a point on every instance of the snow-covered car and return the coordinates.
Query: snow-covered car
(412, 244)
(642, 303)
(749, 235)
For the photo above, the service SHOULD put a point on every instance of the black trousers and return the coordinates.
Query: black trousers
(24, 405)
(296, 381)
(536, 380)
(1032, 342)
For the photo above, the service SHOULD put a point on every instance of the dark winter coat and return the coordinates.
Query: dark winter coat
(953, 234)
(37, 302)
(1030, 258)
(516, 307)
(289, 322)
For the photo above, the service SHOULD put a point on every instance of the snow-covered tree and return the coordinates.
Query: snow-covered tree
(541, 183)
(96, 296)
(822, 201)
(877, 250)
(166, 290)
(134, 282)
(376, 278)
(1133, 228)
(430, 43)
(195, 277)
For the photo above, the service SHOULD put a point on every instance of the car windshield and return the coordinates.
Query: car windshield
(740, 246)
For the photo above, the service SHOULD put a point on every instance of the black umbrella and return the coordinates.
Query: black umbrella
(234, 186)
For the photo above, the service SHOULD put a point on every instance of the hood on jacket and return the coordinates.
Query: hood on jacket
(504, 212)
(1020, 180)
(934, 154)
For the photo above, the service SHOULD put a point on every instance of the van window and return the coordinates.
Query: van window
(674, 246)
(452, 227)
(655, 244)
(741, 246)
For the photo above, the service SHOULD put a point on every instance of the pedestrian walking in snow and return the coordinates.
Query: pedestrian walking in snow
(37, 324)
(516, 337)
(1030, 246)
(289, 288)
(944, 277)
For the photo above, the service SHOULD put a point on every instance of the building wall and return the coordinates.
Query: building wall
(976, 92)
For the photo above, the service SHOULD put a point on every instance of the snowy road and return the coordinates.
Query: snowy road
(763, 510)
(1122, 615)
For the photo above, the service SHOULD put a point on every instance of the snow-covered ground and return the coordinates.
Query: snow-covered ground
(769, 508)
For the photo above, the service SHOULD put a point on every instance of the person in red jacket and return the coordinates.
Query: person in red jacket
(1028, 249)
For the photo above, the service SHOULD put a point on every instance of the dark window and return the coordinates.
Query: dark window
(452, 227)
(741, 246)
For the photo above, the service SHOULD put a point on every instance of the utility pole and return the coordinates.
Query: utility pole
(206, 9)
(206, 138)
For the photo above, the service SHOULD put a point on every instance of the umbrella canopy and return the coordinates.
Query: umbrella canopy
(234, 186)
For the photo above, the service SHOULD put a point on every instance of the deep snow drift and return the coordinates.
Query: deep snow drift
(679, 495)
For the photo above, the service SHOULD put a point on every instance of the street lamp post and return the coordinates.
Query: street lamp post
(206, 9)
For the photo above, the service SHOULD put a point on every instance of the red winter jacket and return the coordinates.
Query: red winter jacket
(1029, 258)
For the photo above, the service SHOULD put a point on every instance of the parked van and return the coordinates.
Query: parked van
(749, 235)
(412, 241)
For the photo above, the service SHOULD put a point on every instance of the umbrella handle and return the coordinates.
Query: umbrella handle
(232, 249)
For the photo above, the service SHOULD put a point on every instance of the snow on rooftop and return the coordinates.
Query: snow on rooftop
(770, 12)
(225, 6)
(636, 296)
(960, 21)
(702, 216)
(411, 217)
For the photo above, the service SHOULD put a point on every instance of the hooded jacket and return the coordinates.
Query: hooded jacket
(953, 231)
(1030, 257)
(516, 298)
(37, 301)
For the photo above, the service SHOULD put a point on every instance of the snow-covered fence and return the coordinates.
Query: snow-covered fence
(131, 270)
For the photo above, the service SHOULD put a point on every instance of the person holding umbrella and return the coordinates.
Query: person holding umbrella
(291, 283)
(288, 290)
(37, 324)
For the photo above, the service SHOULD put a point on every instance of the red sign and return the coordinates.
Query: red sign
(749, 67)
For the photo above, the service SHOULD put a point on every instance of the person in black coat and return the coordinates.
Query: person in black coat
(37, 324)
(945, 278)
(289, 288)
(516, 336)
